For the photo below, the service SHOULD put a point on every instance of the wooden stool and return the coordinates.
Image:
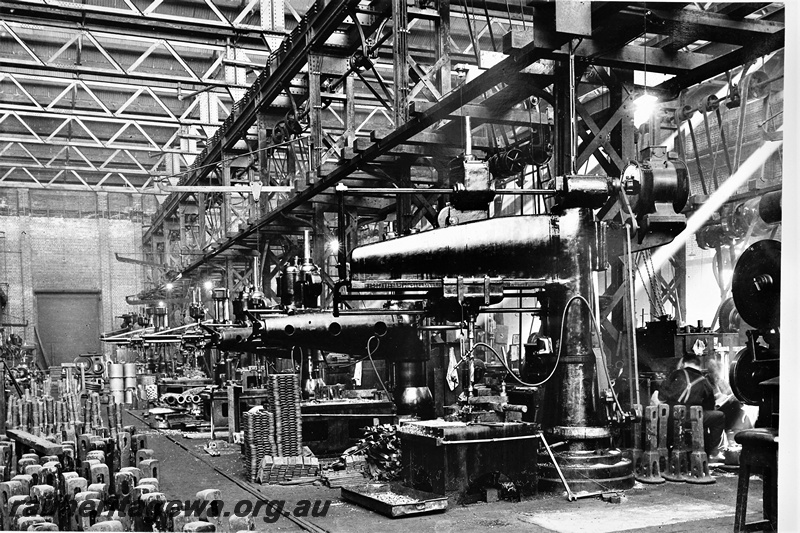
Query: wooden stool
(759, 454)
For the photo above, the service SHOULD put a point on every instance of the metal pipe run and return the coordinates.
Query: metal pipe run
(384, 335)
(441, 190)
(375, 312)
(532, 310)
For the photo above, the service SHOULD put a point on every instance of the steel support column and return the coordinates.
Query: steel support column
(401, 90)
(315, 116)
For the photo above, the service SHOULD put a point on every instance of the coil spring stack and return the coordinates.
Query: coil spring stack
(284, 401)
(259, 440)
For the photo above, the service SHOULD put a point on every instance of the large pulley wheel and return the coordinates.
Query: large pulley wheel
(756, 285)
(512, 161)
(729, 319)
(292, 124)
(746, 373)
(507, 163)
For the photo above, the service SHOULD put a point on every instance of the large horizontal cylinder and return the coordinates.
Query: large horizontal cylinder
(535, 246)
(395, 337)
(234, 339)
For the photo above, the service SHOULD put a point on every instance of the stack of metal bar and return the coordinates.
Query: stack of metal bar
(278, 469)
(259, 439)
(283, 391)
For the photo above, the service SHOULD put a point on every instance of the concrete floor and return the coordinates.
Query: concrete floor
(671, 507)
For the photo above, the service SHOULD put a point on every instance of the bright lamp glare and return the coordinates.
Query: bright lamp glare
(169, 286)
(208, 285)
(333, 245)
(644, 107)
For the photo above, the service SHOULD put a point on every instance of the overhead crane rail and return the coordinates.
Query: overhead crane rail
(319, 23)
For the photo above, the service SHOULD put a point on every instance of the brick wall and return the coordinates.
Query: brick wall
(67, 254)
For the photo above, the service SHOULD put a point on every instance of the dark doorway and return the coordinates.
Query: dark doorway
(68, 324)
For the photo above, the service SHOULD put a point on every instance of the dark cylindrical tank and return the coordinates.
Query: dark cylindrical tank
(288, 282)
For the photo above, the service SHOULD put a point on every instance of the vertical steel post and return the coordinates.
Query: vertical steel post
(315, 111)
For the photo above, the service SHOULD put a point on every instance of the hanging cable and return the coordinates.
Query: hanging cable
(489, 25)
(372, 361)
(508, 13)
(291, 356)
(471, 36)
(558, 355)
(595, 329)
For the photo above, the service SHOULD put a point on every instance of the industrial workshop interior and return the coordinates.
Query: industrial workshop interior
(389, 266)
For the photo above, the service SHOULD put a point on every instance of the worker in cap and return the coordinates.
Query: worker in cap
(688, 386)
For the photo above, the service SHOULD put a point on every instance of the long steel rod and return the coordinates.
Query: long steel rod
(442, 442)
(439, 190)
(632, 317)
(573, 98)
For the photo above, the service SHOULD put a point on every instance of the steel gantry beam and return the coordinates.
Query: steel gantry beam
(359, 122)
(91, 93)
(537, 47)
(548, 45)
(311, 33)
(252, 19)
(107, 54)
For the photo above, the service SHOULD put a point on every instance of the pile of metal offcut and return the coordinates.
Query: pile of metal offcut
(391, 498)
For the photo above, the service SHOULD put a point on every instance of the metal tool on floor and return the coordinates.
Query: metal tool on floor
(571, 496)
(211, 449)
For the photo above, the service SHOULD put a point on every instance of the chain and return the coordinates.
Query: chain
(651, 273)
(644, 286)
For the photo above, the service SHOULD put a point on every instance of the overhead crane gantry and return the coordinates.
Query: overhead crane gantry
(614, 41)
